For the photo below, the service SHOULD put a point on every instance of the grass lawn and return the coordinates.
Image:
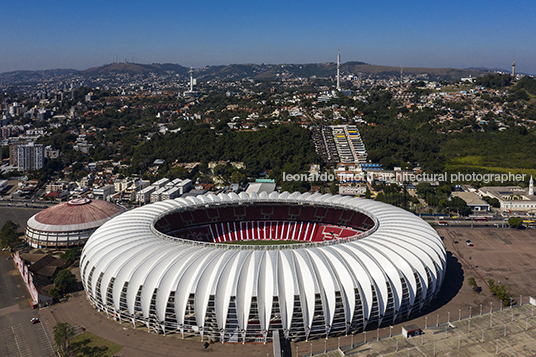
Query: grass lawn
(490, 169)
(265, 242)
(88, 344)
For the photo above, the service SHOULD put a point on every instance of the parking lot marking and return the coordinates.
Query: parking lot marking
(16, 341)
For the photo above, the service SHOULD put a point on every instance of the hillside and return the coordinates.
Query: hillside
(135, 68)
(236, 72)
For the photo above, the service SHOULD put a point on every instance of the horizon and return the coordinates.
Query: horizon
(447, 35)
(259, 64)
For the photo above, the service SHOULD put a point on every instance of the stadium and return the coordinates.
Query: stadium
(69, 224)
(330, 265)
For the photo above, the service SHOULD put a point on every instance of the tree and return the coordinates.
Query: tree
(515, 222)
(500, 291)
(459, 205)
(65, 281)
(63, 333)
(238, 177)
(8, 234)
(492, 201)
(71, 255)
(472, 283)
(334, 188)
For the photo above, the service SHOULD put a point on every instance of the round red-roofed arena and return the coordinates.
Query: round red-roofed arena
(69, 224)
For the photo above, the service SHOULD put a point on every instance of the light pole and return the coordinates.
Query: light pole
(325, 342)
(470, 311)
(390, 331)
(437, 325)
(459, 314)
(491, 307)
(448, 317)
(311, 349)
(480, 309)
(512, 315)
(426, 322)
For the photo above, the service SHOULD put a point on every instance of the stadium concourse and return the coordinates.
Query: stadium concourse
(354, 264)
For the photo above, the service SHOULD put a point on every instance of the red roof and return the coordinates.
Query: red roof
(78, 212)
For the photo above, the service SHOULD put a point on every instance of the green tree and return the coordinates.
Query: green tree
(65, 281)
(238, 177)
(334, 188)
(500, 291)
(515, 222)
(492, 201)
(459, 205)
(63, 333)
(472, 283)
(177, 172)
(8, 234)
(71, 255)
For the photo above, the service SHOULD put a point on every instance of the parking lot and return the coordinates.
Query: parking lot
(502, 254)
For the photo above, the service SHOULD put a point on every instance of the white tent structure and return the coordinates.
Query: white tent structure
(135, 270)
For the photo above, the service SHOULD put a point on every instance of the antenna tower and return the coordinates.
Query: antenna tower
(338, 70)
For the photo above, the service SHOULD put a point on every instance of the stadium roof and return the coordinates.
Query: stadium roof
(128, 259)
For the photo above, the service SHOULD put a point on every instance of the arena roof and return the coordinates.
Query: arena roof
(78, 214)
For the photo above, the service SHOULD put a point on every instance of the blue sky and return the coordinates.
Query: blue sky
(460, 34)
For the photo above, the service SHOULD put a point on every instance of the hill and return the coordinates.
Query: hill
(135, 68)
(233, 72)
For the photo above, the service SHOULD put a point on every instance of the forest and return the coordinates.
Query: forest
(284, 148)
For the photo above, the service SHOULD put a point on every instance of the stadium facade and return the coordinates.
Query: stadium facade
(355, 264)
(69, 224)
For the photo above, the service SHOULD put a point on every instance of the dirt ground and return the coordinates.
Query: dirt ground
(498, 253)
(502, 254)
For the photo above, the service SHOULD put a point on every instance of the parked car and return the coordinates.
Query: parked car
(34, 320)
(469, 243)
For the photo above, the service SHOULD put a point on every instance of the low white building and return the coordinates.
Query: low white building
(473, 200)
(157, 195)
(513, 198)
(170, 194)
(144, 195)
